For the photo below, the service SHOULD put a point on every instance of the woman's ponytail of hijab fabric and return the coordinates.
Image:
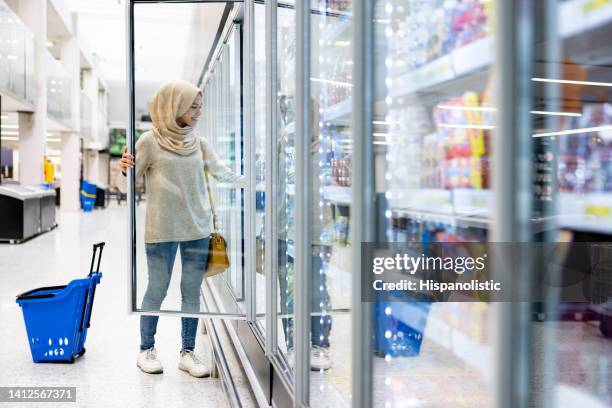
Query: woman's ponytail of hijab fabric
(171, 101)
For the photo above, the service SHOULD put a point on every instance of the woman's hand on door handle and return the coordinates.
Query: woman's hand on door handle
(127, 161)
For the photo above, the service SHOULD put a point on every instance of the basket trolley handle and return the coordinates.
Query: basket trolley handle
(89, 299)
(93, 257)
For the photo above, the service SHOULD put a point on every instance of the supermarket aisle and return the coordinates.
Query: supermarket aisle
(106, 375)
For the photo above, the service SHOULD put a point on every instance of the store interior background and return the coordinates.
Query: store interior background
(73, 110)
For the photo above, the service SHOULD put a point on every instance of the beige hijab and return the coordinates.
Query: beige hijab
(171, 101)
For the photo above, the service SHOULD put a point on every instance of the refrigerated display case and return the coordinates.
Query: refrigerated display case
(259, 56)
(484, 133)
(329, 201)
(411, 121)
(23, 213)
(432, 151)
(222, 125)
(284, 144)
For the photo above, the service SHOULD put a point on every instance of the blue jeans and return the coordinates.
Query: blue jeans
(160, 260)
(320, 326)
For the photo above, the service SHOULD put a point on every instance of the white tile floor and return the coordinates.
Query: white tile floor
(106, 375)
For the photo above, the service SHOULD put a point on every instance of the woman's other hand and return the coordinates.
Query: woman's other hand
(126, 162)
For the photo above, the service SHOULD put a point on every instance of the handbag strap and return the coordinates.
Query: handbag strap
(210, 199)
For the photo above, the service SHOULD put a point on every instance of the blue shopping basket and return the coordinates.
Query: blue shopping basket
(57, 317)
(88, 195)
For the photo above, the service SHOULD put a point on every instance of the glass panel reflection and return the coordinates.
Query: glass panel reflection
(330, 201)
(260, 161)
(285, 200)
(431, 135)
(572, 153)
(187, 162)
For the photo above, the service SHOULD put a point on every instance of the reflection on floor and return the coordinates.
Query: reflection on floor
(107, 373)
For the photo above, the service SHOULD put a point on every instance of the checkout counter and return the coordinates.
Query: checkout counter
(26, 211)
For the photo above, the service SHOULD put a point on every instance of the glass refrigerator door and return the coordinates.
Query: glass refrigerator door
(433, 80)
(260, 162)
(572, 133)
(221, 123)
(285, 200)
(331, 68)
(172, 219)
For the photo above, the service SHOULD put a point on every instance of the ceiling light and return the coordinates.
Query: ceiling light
(567, 81)
(10, 139)
(381, 143)
(11, 133)
(54, 139)
(10, 126)
(50, 44)
(11, 57)
(3, 117)
(575, 131)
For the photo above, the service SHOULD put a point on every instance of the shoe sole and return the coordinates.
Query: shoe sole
(160, 371)
(182, 368)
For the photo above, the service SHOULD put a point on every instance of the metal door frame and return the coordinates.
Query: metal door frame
(130, 132)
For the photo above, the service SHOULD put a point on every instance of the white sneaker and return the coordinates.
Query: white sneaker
(290, 357)
(193, 365)
(320, 358)
(147, 361)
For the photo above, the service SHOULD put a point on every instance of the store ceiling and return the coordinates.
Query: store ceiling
(161, 37)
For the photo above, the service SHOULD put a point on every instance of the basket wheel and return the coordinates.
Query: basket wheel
(82, 352)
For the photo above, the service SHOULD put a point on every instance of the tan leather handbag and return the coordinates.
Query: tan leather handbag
(218, 261)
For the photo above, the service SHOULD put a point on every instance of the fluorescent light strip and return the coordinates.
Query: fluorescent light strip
(10, 139)
(575, 131)
(381, 143)
(11, 133)
(468, 108)
(568, 81)
(485, 127)
(329, 81)
(3, 117)
(53, 139)
(577, 115)
(10, 126)
(382, 122)
(384, 134)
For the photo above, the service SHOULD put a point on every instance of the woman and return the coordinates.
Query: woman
(172, 157)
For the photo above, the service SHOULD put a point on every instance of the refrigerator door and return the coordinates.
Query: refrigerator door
(173, 217)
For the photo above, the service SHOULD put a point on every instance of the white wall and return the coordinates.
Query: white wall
(118, 100)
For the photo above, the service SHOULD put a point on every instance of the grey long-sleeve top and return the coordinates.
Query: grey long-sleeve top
(178, 208)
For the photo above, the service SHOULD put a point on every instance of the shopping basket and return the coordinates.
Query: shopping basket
(57, 317)
(88, 195)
